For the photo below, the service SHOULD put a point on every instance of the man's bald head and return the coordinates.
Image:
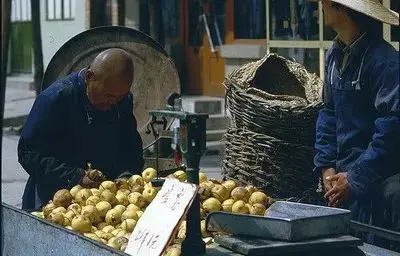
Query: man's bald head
(109, 77)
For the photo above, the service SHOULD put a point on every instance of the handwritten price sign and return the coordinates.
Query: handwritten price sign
(155, 228)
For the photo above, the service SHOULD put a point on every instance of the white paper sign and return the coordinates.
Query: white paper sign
(156, 227)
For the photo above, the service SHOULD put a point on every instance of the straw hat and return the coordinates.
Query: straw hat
(371, 8)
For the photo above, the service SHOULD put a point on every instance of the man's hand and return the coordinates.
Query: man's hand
(328, 184)
(340, 191)
(92, 179)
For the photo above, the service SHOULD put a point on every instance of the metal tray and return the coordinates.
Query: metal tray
(285, 221)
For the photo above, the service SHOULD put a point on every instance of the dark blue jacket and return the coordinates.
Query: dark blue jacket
(358, 130)
(63, 133)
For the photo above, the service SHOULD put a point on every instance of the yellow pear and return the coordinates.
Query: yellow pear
(70, 215)
(240, 193)
(149, 194)
(48, 208)
(180, 175)
(113, 217)
(211, 205)
(113, 245)
(128, 225)
(139, 214)
(220, 192)
(67, 222)
(101, 225)
(108, 229)
(103, 207)
(59, 210)
(251, 189)
(203, 229)
(93, 200)
(205, 191)
(68, 227)
(108, 185)
(91, 213)
(202, 177)
(202, 213)
(209, 183)
(103, 235)
(149, 174)
(121, 208)
(136, 180)
(133, 207)
(137, 188)
(116, 231)
(95, 192)
(74, 190)
(38, 214)
(129, 215)
(109, 196)
(62, 198)
(57, 218)
(122, 199)
(123, 247)
(124, 191)
(82, 196)
(227, 205)
(81, 224)
(92, 236)
(173, 251)
(121, 233)
(259, 198)
(229, 185)
(137, 199)
(76, 208)
(240, 207)
(122, 183)
(257, 209)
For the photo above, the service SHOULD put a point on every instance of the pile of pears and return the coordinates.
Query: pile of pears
(109, 213)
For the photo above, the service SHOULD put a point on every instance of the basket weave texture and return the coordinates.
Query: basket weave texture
(274, 104)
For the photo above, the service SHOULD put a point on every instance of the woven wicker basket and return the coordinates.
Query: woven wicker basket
(274, 105)
(275, 96)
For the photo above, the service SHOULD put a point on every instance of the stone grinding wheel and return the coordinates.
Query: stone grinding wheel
(155, 75)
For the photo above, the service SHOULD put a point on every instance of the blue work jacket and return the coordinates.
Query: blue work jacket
(63, 133)
(358, 130)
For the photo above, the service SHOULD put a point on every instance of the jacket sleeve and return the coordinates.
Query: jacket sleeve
(35, 150)
(325, 141)
(131, 155)
(367, 171)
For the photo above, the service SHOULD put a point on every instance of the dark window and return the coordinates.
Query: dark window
(60, 9)
(170, 16)
(217, 22)
(250, 19)
(293, 20)
(195, 23)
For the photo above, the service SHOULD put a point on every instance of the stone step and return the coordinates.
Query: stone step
(204, 104)
(22, 82)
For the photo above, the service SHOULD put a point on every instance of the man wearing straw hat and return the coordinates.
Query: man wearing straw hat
(358, 130)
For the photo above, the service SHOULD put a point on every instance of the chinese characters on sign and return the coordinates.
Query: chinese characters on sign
(155, 228)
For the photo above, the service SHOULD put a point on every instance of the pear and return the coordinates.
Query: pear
(93, 200)
(101, 225)
(129, 215)
(108, 229)
(59, 210)
(137, 199)
(109, 196)
(123, 247)
(259, 198)
(180, 175)
(211, 204)
(81, 224)
(257, 209)
(122, 183)
(103, 207)
(128, 225)
(220, 192)
(209, 184)
(137, 188)
(82, 196)
(116, 231)
(108, 185)
(113, 217)
(74, 190)
(103, 235)
(205, 191)
(122, 199)
(139, 214)
(227, 205)
(70, 215)
(229, 185)
(48, 208)
(149, 174)
(57, 218)
(38, 214)
(124, 191)
(91, 213)
(120, 208)
(92, 236)
(62, 198)
(68, 227)
(240, 207)
(95, 192)
(240, 193)
(203, 229)
(202, 177)
(76, 208)
(136, 180)
(149, 194)
(133, 207)
(113, 245)
(251, 189)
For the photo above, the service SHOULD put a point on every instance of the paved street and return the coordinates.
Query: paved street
(14, 177)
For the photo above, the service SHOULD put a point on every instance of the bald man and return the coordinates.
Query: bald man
(86, 117)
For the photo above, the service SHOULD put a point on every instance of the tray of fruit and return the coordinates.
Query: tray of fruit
(108, 214)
